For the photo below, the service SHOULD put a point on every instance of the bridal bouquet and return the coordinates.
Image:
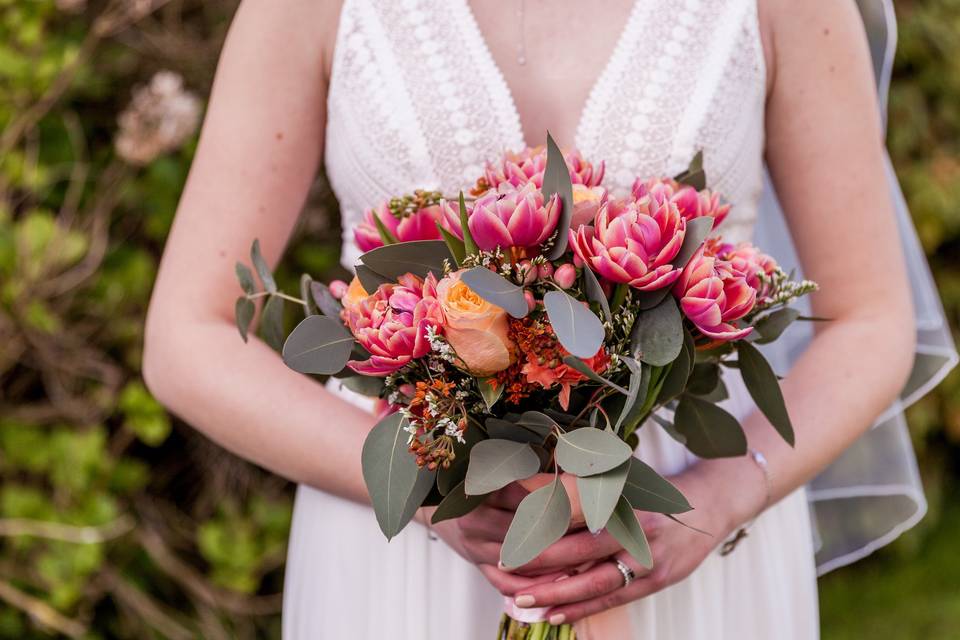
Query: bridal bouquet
(531, 326)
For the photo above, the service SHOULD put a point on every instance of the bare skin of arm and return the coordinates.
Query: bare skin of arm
(824, 150)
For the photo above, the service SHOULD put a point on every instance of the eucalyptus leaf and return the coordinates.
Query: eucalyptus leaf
(576, 363)
(556, 180)
(451, 476)
(625, 528)
(577, 328)
(764, 388)
(506, 430)
(271, 322)
(368, 386)
(390, 473)
(710, 431)
(657, 334)
(704, 378)
(266, 277)
(370, 279)
(385, 236)
(245, 277)
(496, 463)
(588, 451)
(538, 422)
(309, 304)
(456, 504)
(647, 490)
(457, 248)
(698, 230)
(469, 246)
(243, 314)
(318, 345)
(635, 413)
(490, 392)
(594, 293)
(422, 487)
(599, 495)
(496, 290)
(676, 379)
(328, 305)
(771, 326)
(541, 519)
(633, 392)
(667, 426)
(418, 257)
(694, 175)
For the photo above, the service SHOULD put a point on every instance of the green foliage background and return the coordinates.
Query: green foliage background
(118, 522)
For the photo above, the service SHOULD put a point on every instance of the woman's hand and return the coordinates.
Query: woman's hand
(676, 549)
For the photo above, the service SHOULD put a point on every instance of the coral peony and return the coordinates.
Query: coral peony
(507, 218)
(713, 294)
(633, 242)
(690, 202)
(518, 169)
(420, 225)
(476, 329)
(748, 260)
(392, 323)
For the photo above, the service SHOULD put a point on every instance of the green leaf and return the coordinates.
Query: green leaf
(694, 175)
(599, 495)
(624, 526)
(456, 504)
(710, 431)
(309, 304)
(637, 392)
(657, 334)
(453, 475)
(764, 388)
(496, 463)
(704, 379)
(588, 451)
(496, 290)
(556, 180)
(390, 473)
(577, 328)
(422, 487)
(385, 236)
(771, 326)
(245, 276)
(506, 430)
(243, 313)
(647, 490)
(671, 430)
(541, 519)
(318, 345)
(594, 293)
(469, 246)
(457, 247)
(324, 300)
(419, 257)
(271, 322)
(369, 386)
(676, 379)
(490, 392)
(538, 422)
(370, 279)
(581, 366)
(266, 277)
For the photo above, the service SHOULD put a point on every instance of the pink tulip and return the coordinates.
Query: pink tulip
(420, 225)
(690, 202)
(713, 295)
(633, 242)
(507, 218)
(392, 324)
(518, 169)
(747, 259)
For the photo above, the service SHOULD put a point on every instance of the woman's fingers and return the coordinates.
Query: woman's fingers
(598, 581)
(639, 588)
(509, 584)
(508, 497)
(486, 523)
(572, 550)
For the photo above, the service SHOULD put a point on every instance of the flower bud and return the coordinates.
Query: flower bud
(546, 270)
(565, 275)
(338, 288)
(531, 301)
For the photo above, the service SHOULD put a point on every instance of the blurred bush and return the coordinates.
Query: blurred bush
(116, 521)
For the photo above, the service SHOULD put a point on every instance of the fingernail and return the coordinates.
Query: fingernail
(525, 600)
(503, 567)
(562, 578)
(557, 620)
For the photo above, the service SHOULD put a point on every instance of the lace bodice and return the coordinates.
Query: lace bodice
(417, 101)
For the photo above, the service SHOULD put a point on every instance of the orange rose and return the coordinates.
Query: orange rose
(476, 329)
(355, 293)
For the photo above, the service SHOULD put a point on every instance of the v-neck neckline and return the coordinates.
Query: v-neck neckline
(593, 96)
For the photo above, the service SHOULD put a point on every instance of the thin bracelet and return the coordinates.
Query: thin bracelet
(761, 461)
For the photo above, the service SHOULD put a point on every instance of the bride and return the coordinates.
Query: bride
(390, 95)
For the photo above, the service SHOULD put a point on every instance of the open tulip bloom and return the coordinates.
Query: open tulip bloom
(540, 319)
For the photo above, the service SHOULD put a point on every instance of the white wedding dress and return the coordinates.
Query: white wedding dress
(416, 101)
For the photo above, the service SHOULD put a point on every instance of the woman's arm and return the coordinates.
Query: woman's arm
(825, 153)
(258, 155)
